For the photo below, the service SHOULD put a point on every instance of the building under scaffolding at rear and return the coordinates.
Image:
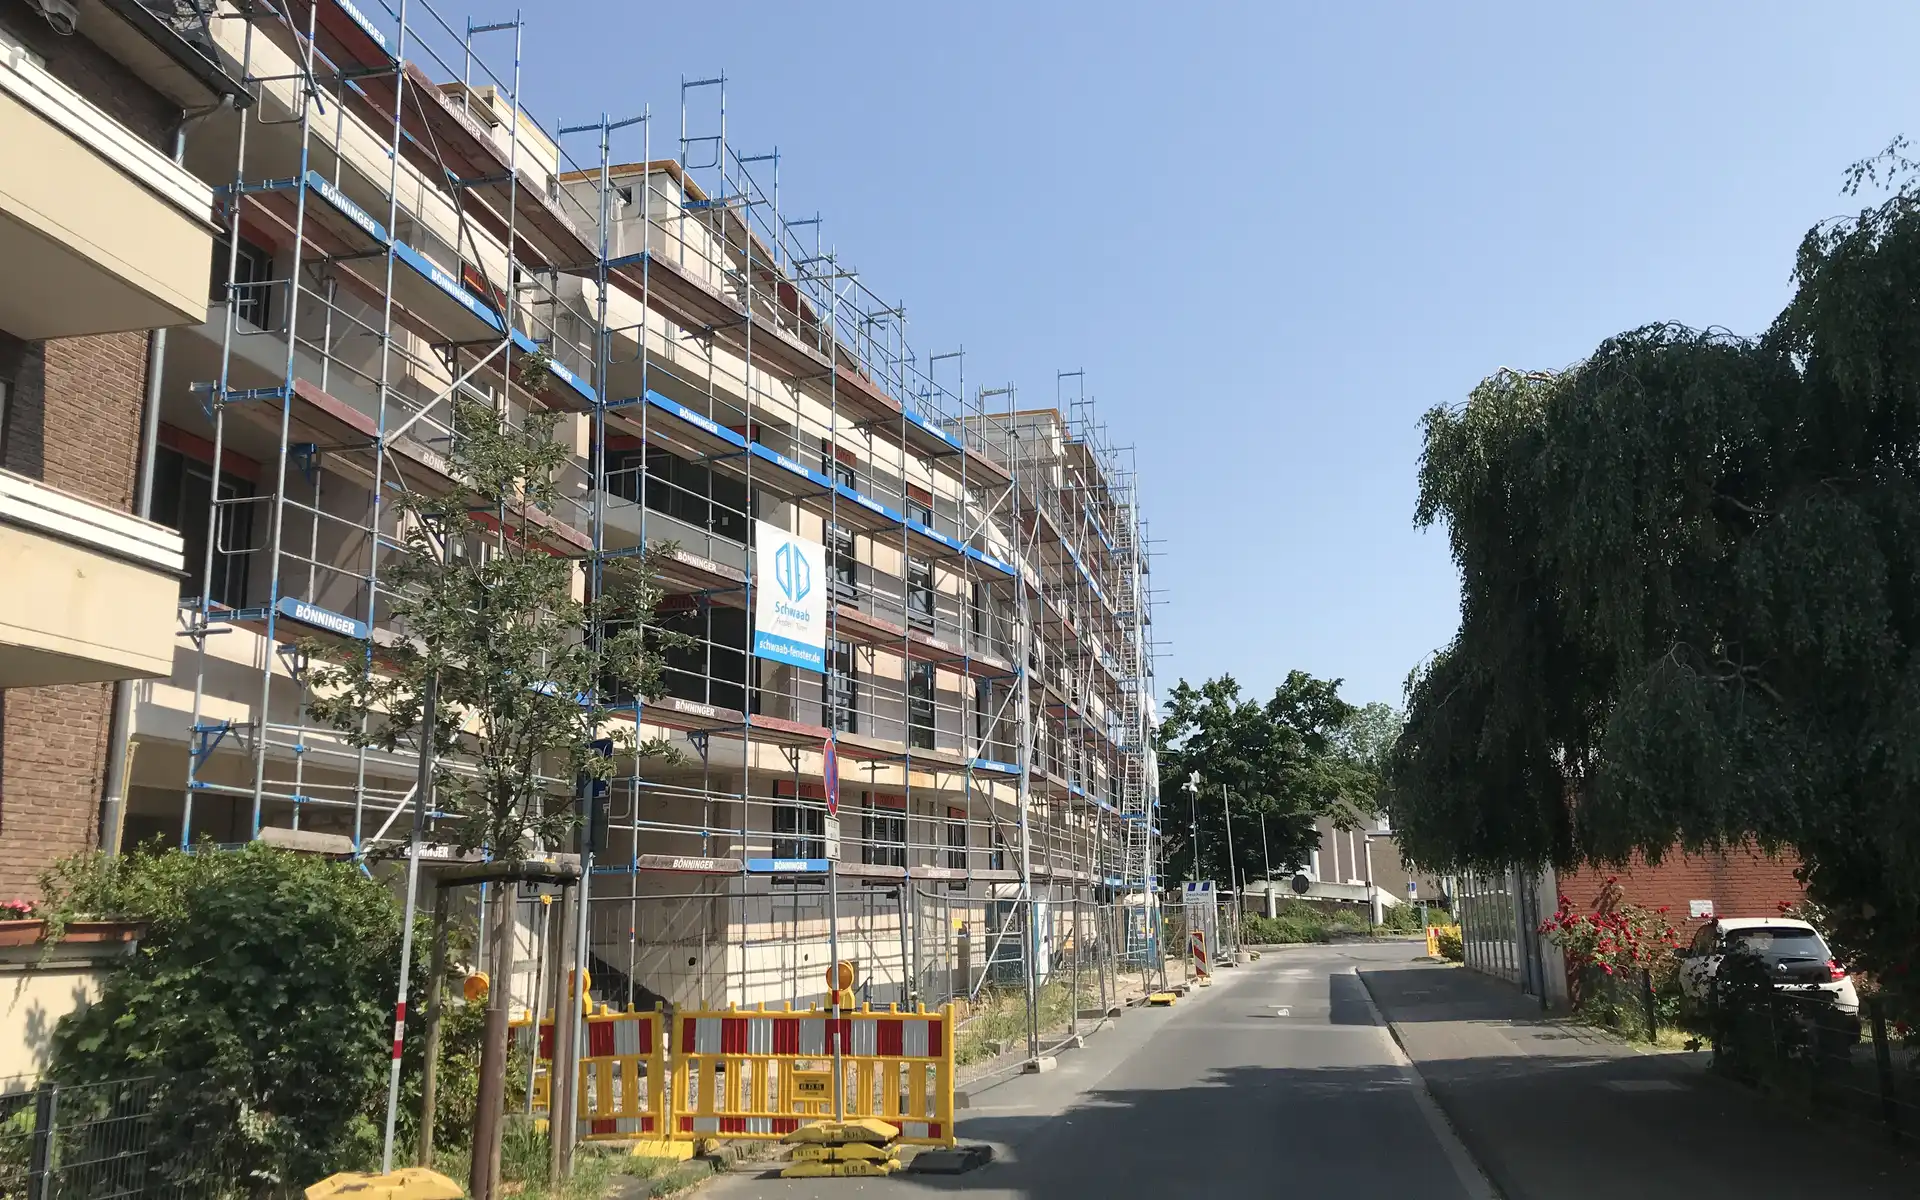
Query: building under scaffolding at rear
(399, 232)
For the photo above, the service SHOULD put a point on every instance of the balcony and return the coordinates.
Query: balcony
(99, 231)
(91, 593)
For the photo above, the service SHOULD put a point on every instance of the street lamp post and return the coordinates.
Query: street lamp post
(1266, 864)
(1226, 818)
(1373, 897)
(1193, 793)
(1233, 886)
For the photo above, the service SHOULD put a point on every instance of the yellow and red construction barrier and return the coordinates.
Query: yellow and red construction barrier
(762, 1075)
(623, 1074)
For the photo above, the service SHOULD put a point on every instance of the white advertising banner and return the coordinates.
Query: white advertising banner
(790, 604)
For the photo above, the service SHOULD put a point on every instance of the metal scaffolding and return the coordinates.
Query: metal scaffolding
(401, 232)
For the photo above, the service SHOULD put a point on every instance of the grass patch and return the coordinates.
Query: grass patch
(999, 1018)
(524, 1152)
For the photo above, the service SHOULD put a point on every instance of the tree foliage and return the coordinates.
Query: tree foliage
(524, 683)
(1284, 764)
(258, 999)
(1690, 597)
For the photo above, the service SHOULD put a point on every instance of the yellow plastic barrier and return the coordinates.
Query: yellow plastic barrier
(762, 1075)
(623, 1074)
(1433, 938)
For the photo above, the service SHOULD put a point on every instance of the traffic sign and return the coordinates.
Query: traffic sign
(830, 770)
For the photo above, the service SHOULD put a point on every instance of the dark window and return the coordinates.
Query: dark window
(252, 291)
(1775, 944)
(846, 564)
(713, 669)
(920, 511)
(831, 466)
(883, 833)
(956, 839)
(976, 608)
(686, 490)
(983, 713)
(920, 714)
(182, 498)
(919, 593)
(799, 832)
(842, 689)
(997, 857)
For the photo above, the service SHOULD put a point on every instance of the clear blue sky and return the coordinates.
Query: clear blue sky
(1274, 234)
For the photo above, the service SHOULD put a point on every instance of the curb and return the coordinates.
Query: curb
(1474, 1178)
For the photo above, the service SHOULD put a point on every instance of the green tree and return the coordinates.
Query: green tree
(1690, 597)
(527, 676)
(1368, 735)
(257, 1001)
(1282, 764)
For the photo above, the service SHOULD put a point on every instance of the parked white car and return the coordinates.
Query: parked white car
(1794, 953)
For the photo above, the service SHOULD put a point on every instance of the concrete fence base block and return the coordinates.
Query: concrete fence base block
(1074, 1042)
(955, 1161)
(1041, 1065)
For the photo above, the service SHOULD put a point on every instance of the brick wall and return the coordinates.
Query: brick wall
(93, 73)
(1740, 884)
(53, 761)
(73, 422)
(73, 413)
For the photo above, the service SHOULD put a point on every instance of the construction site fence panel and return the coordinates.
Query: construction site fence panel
(623, 1073)
(759, 1074)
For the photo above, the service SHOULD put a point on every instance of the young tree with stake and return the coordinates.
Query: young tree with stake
(522, 677)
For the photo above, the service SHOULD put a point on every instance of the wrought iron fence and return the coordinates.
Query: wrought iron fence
(1855, 1065)
(128, 1139)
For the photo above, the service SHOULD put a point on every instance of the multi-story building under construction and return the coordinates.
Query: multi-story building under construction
(396, 230)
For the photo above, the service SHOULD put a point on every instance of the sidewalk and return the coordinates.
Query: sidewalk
(1555, 1111)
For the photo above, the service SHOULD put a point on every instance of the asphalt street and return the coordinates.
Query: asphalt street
(1282, 1077)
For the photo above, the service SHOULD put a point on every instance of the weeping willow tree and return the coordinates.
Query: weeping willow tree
(1690, 596)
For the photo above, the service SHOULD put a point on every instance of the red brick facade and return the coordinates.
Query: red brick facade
(73, 413)
(95, 74)
(51, 774)
(1740, 884)
(73, 422)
